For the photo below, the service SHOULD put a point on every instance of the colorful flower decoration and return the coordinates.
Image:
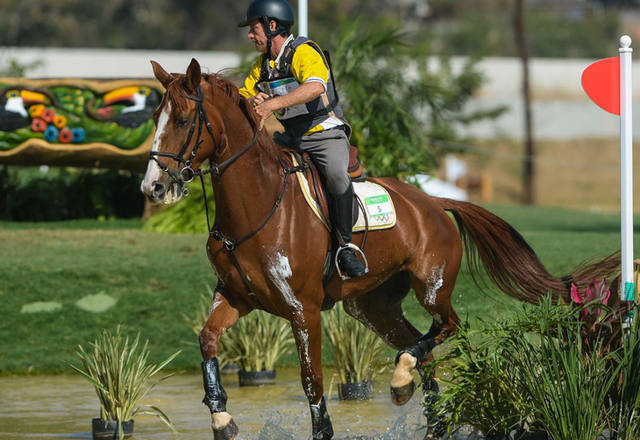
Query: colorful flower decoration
(59, 121)
(38, 125)
(51, 133)
(35, 111)
(65, 136)
(78, 134)
(596, 290)
(48, 115)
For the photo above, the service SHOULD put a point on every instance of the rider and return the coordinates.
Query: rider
(292, 79)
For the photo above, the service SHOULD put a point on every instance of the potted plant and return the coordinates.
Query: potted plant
(357, 352)
(255, 343)
(121, 375)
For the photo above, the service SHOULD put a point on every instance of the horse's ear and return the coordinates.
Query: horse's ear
(193, 74)
(161, 74)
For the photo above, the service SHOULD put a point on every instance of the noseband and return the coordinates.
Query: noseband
(187, 174)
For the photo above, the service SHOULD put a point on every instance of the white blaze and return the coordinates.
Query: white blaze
(153, 170)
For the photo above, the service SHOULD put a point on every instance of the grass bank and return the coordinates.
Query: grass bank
(61, 283)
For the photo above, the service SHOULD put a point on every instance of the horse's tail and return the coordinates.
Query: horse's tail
(509, 260)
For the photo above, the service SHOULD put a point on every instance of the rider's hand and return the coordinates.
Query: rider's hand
(259, 99)
(266, 108)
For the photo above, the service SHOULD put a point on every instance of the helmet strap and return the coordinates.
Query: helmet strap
(269, 34)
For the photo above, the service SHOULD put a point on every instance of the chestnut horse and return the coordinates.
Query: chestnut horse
(268, 248)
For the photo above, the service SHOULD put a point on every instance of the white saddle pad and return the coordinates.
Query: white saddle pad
(380, 212)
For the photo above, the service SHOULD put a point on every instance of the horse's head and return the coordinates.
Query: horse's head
(185, 134)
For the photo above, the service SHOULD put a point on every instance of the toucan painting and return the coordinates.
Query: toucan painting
(72, 111)
(13, 107)
(140, 102)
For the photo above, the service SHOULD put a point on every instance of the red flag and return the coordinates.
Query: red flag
(601, 81)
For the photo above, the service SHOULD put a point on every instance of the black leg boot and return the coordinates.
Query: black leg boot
(342, 214)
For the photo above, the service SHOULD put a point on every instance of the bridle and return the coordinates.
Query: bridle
(187, 174)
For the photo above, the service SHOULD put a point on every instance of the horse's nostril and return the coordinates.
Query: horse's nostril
(158, 190)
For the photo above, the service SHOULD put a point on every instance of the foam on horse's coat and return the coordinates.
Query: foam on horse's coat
(279, 271)
(435, 283)
(217, 300)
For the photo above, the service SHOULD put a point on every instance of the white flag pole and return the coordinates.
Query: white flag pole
(626, 170)
(303, 29)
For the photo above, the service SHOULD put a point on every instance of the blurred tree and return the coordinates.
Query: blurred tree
(555, 28)
(520, 32)
(142, 24)
(396, 103)
(462, 26)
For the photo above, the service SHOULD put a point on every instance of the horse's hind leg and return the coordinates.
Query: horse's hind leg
(433, 287)
(222, 315)
(381, 311)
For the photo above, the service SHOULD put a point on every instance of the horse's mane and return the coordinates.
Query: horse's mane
(176, 90)
(218, 82)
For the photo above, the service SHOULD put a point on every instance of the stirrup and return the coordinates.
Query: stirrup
(358, 251)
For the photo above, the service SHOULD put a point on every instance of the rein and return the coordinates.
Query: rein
(187, 174)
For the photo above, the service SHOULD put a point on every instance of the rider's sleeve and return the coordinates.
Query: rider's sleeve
(249, 89)
(308, 65)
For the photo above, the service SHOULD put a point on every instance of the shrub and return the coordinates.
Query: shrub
(533, 371)
(65, 193)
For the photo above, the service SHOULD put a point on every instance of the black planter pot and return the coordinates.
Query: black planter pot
(252, 378)
(108, 429)
(531, 435)
(230, 368)
(356, 390)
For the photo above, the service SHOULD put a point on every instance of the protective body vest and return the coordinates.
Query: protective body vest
(299, 119)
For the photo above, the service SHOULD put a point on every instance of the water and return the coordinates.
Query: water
(61, 407)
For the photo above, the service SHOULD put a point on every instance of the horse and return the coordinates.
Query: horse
(268, 249)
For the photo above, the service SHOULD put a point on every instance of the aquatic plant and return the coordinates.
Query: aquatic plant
(121, 375)
(357, 350)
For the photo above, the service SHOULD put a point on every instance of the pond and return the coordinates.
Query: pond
(61, 407)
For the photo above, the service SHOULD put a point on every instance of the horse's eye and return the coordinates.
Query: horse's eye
(182, 122)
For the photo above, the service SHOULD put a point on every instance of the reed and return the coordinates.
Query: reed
(120, 373)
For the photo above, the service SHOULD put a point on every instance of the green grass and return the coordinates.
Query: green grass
(155, 278)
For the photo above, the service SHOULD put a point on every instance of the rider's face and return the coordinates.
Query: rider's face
(258, 36)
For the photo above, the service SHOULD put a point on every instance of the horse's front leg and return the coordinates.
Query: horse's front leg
(307, 331)
(222, 315)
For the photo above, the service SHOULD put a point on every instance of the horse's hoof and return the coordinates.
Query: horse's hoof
(229, 432)
(401, 395)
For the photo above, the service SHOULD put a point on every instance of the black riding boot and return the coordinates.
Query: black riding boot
(342, 214)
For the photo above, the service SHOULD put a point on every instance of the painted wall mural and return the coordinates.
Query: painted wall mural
(77, 122)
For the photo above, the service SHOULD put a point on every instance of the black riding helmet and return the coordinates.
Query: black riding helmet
(278, 10)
